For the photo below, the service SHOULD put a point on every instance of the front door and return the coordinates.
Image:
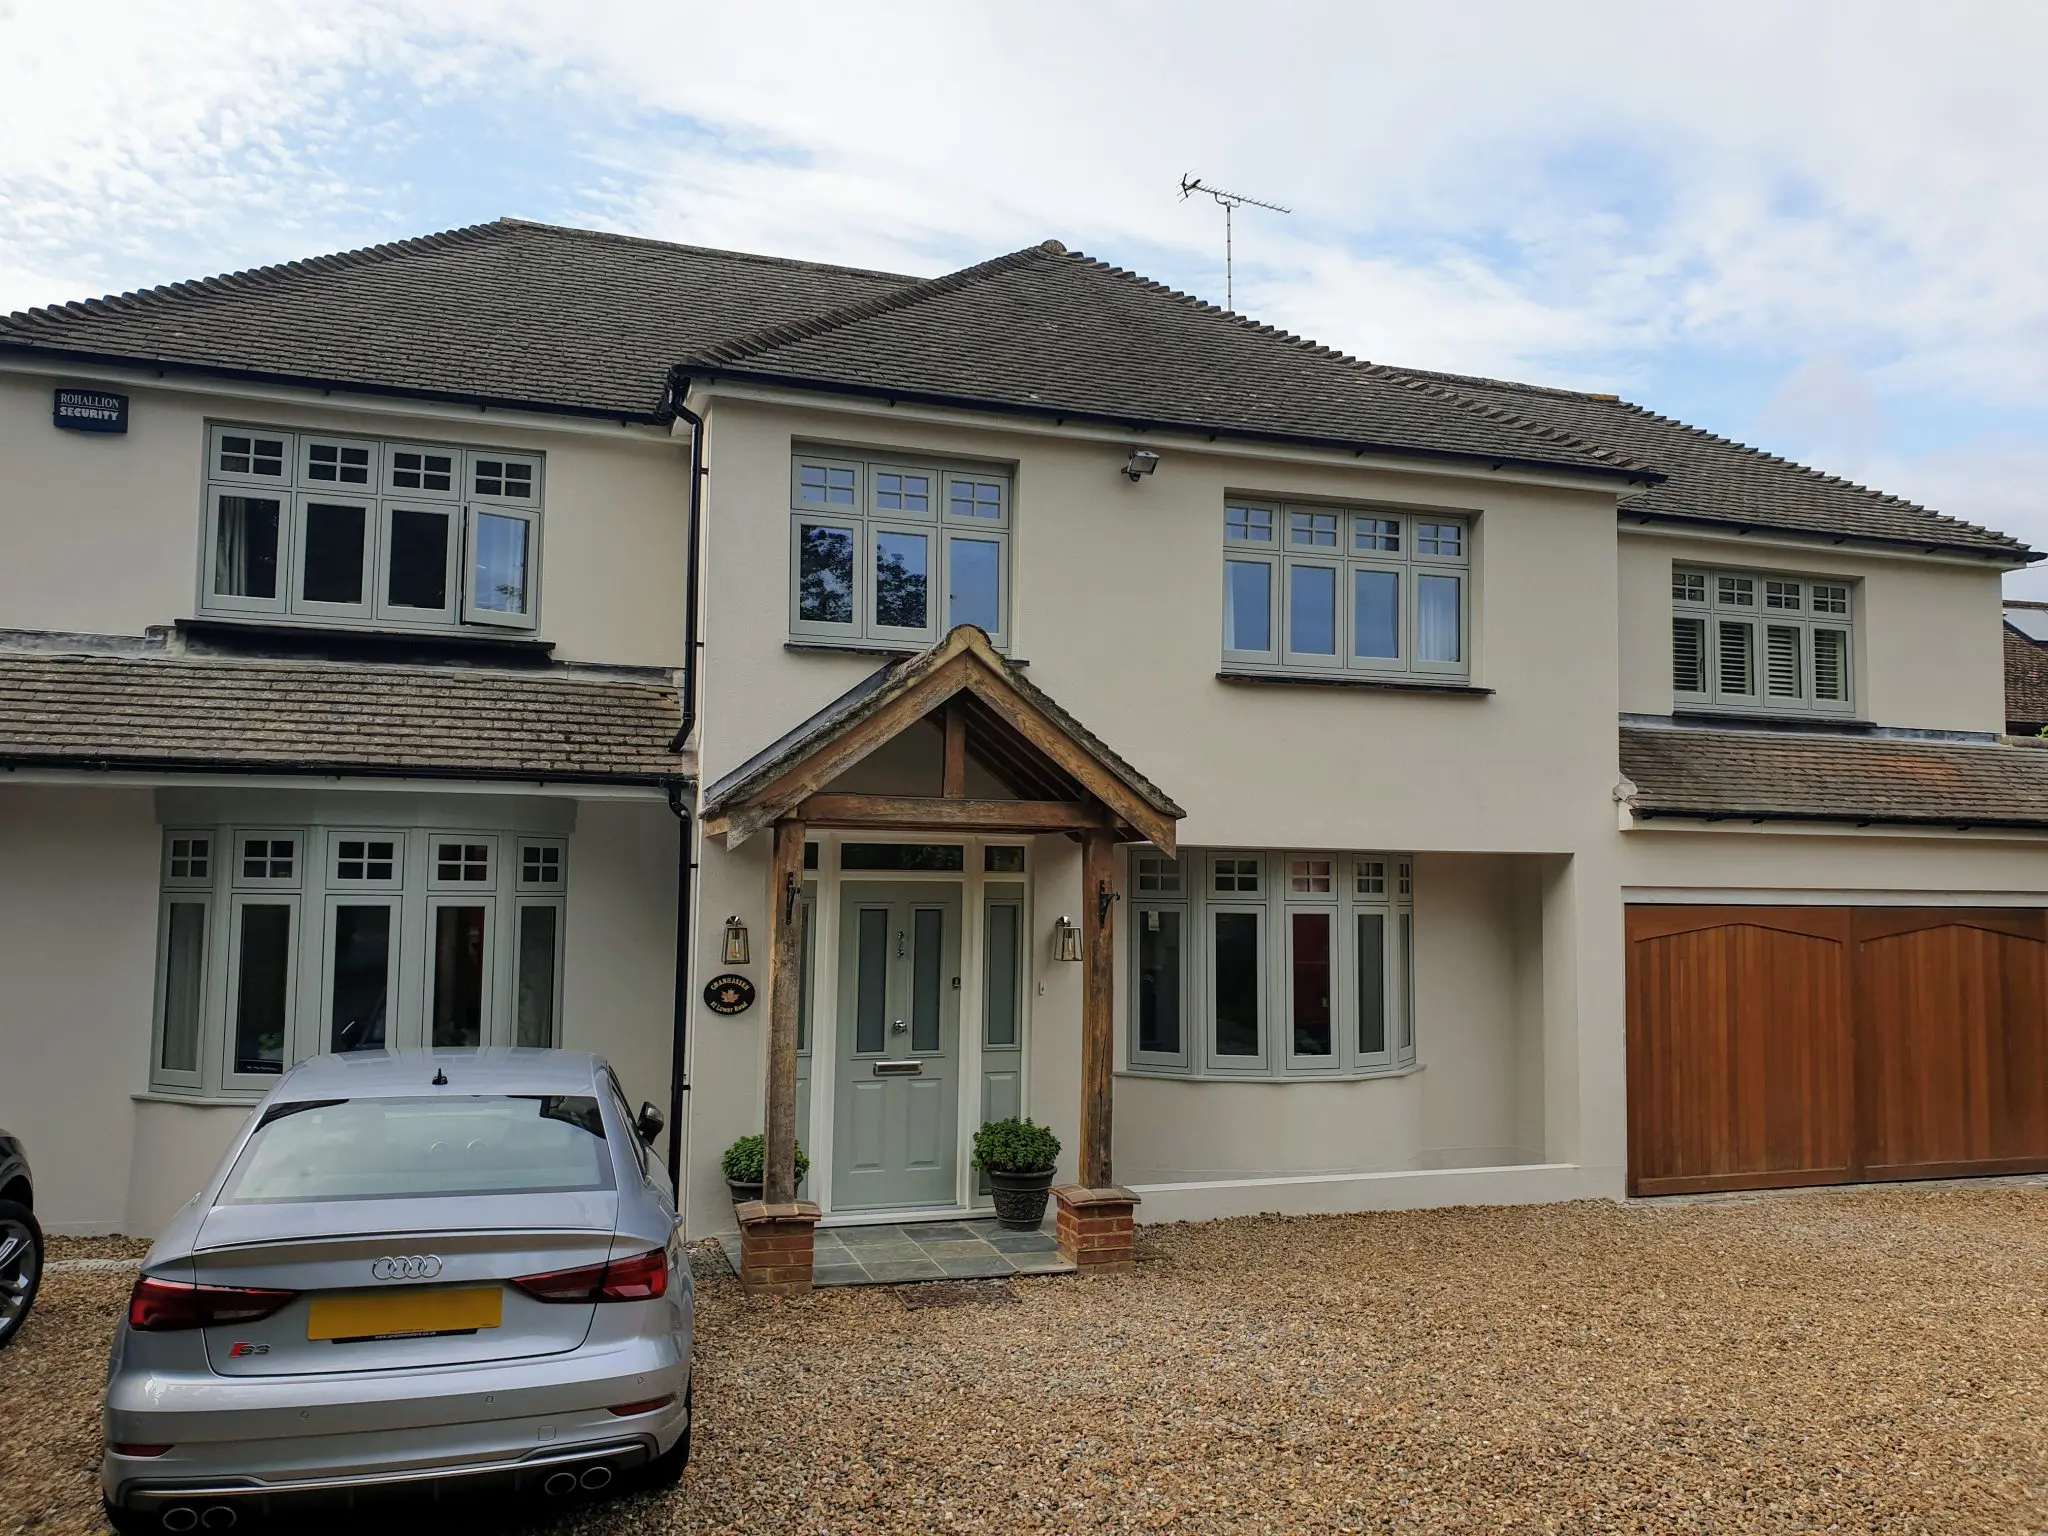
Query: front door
(896, 1121)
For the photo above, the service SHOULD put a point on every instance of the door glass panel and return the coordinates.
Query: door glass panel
(418, 559)
(1406, 1023)
(805, 960)
(1437, 629)
(1310, 959)
(1376, 616)
(1237, 984)
(335, 537)
(1005, 951)
(500, 567)
(976, 578)
(362, 976)
(1312, 610)
(1159, 974)
(1372, 983)
(927, 960)
(1248, 599)
(263, 987)
(824, 580)
(901, 561)
(458, 1011)
(184, 966)
(871, 982)
(245, 547)
(535, 1024)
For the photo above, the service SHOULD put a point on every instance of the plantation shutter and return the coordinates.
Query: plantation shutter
(1783, 674)
(1689, 656)
(1831, 666)
(1735, 659)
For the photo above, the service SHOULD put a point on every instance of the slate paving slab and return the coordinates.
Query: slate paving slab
(894, 1252)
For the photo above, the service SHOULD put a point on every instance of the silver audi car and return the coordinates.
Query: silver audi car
(439, 1274)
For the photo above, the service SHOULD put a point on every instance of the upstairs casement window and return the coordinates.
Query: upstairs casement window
(1271, 964)
(1755, 642)
(313, 528)
(889, 553)
(1333, 591)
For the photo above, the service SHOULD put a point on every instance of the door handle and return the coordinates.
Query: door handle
(897, 1026)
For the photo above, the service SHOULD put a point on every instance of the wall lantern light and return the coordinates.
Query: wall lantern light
(1066, 939)
(1142, 462)
(736, 942)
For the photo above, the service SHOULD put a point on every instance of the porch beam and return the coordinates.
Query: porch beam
(924, 813)
(1098, 955)
(785, 965)
(955, 777)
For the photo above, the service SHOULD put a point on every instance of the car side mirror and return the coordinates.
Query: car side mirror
(648, 1123)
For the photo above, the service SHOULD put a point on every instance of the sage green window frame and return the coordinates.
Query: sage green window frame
(1289, 543)
(875, 506)
(1371, 885)
(301, 469)
(1763, 642)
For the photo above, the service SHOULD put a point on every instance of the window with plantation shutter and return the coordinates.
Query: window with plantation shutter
(1747, 641)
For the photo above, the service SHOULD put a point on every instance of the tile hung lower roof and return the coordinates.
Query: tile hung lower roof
(1773, 776)
(1055, 332)
(1710, 479)
(509, 312)
(2026, 680)
(165, 713)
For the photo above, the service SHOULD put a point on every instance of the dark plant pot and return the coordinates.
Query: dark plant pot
(1020, 1198)
(741, 1193)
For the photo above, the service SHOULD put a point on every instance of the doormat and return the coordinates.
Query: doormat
(957, 1293)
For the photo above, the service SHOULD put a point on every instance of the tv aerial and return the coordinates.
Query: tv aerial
(1230, 202)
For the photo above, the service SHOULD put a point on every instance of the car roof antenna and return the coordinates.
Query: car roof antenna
(440, 1078)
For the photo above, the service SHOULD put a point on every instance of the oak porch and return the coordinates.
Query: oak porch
(1063, 780)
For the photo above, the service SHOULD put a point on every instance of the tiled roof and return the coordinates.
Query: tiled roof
(264, 716)
(2026, 681)
(1786, 776)
(1714, 480)
(1055, 332)
(510, 311)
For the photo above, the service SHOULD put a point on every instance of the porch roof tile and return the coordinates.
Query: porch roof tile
(252, 716)
(1763, 775)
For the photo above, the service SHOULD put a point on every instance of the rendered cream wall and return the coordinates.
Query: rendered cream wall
(78, 882)
(103, 531)
(1800, 864)
(1929, 634)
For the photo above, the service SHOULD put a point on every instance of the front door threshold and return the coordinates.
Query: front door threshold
(899, 1251)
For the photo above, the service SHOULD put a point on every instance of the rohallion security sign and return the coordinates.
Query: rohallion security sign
(89, 410)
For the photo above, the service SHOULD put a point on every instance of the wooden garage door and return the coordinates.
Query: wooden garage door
(1776, 1046)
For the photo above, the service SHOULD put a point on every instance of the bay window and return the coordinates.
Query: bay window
(1271, 964)
(317, 528)
(1749, 641)
(885, 552)
(1344, 592)
(278, 943)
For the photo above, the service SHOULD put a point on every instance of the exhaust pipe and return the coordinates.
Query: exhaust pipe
(181, 1517)
(219, 1518)
(557, 1485)
(595, 1478)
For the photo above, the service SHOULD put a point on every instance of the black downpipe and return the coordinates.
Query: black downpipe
(686, 840)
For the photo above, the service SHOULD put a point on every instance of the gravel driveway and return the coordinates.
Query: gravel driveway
(1868, 1361)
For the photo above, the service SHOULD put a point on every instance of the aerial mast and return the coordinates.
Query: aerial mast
(1230, 202)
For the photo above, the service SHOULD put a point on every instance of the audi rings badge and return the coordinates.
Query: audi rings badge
(405, 1266)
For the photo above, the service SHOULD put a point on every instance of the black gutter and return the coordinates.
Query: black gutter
(713, 373)
(328, 770)
(163, 367)
(1835, 536)
(1850, 818)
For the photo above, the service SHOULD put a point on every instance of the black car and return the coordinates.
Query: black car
(21, 1240)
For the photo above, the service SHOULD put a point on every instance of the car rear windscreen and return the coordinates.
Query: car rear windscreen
(375, 1149)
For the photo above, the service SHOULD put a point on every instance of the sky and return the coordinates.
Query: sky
(1818, 228)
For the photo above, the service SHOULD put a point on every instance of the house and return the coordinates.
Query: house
(2026, 667)
(1305, 784)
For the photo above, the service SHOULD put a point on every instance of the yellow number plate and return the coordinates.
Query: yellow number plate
(404, 1313)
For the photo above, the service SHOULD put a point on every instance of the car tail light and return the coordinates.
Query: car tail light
(640, 1278)
(646, 1405)
(159, 1306)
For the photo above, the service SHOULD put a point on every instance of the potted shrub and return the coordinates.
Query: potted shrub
(742, 1166)
(1018, 1158)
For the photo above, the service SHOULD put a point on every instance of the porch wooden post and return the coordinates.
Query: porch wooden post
(1098, 1046)
(785, 965)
